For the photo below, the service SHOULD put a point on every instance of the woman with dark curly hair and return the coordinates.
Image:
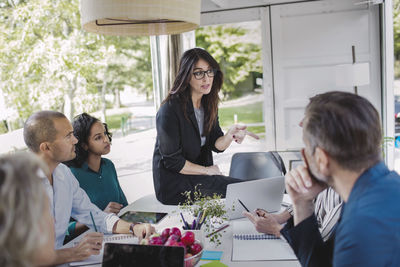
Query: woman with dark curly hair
(96, 175)
(188, 131)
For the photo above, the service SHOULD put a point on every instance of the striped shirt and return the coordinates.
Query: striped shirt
(328, 205)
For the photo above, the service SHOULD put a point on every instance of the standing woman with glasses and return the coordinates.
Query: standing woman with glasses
(188, 131)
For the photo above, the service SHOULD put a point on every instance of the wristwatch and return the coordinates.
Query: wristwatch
(131, 227)
(290, 210)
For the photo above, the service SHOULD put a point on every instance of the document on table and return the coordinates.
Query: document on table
(95, 259)
(249, 245)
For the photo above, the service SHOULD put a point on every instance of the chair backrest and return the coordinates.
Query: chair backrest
(256, 165)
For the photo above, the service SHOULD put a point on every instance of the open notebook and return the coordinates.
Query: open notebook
(117, 238)
(249, 245)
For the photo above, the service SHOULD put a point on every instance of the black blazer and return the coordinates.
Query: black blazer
(178, 140)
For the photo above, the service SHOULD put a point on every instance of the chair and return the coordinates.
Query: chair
(256, 165)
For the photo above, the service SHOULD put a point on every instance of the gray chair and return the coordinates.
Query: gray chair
(256, 165)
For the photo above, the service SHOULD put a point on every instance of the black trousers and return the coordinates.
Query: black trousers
(172, 191)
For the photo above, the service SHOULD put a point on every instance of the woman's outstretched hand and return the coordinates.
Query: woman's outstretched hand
(238, 132)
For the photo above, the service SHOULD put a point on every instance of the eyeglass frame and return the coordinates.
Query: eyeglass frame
(204, 72)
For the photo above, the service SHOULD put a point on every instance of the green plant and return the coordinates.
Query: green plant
(213, 208)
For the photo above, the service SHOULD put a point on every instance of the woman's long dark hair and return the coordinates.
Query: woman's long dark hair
(82, 125)
(181, 86)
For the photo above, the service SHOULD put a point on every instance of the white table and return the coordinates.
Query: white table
(173, 219)
(148, 203)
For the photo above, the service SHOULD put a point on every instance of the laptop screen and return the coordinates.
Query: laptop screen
(124, 255)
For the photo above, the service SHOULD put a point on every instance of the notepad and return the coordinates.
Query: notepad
(249, 245)
(117, 238)
(211, 255)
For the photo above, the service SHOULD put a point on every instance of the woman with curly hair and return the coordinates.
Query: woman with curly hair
(96, 175)
(188, 131)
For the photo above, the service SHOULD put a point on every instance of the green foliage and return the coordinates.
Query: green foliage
(214, 208)
(237, 55)
(251, 113)
(3, 127)
(114, 121)
(257, 129)
(45, 56)
(397, 69)
(130, 64)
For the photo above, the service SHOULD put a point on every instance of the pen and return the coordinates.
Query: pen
(198, 220)
(184, 222)
(218, 230)
(203, 218)
(241, 203)
(95, 228)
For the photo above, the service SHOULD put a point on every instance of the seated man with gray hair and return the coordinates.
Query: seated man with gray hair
(342, 137)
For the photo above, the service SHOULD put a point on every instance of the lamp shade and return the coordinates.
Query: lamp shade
(140, 17)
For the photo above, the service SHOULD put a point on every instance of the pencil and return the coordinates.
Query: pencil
(218, 230)
(241, 203)
(94, 224)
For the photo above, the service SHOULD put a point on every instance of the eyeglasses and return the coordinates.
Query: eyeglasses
(198, 75)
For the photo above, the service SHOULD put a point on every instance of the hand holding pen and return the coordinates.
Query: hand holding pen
(241, 203)
(90, 244)
(263, 221)
(261, 212)
(266, 224)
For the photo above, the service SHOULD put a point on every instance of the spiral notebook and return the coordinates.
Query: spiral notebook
(249, 245)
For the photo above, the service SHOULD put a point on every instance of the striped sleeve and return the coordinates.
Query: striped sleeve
(328, 205)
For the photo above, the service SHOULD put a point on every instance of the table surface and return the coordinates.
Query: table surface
(173, 219)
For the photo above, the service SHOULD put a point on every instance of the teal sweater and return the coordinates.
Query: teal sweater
(102, 187)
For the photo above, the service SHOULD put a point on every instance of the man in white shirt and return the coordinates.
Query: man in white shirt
(49, 134)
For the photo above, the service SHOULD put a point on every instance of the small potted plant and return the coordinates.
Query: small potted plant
(208, 211)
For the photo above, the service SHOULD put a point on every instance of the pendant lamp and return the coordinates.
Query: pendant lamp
(140, 17)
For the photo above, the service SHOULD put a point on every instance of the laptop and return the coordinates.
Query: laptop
(127, 255)
(264, 193)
